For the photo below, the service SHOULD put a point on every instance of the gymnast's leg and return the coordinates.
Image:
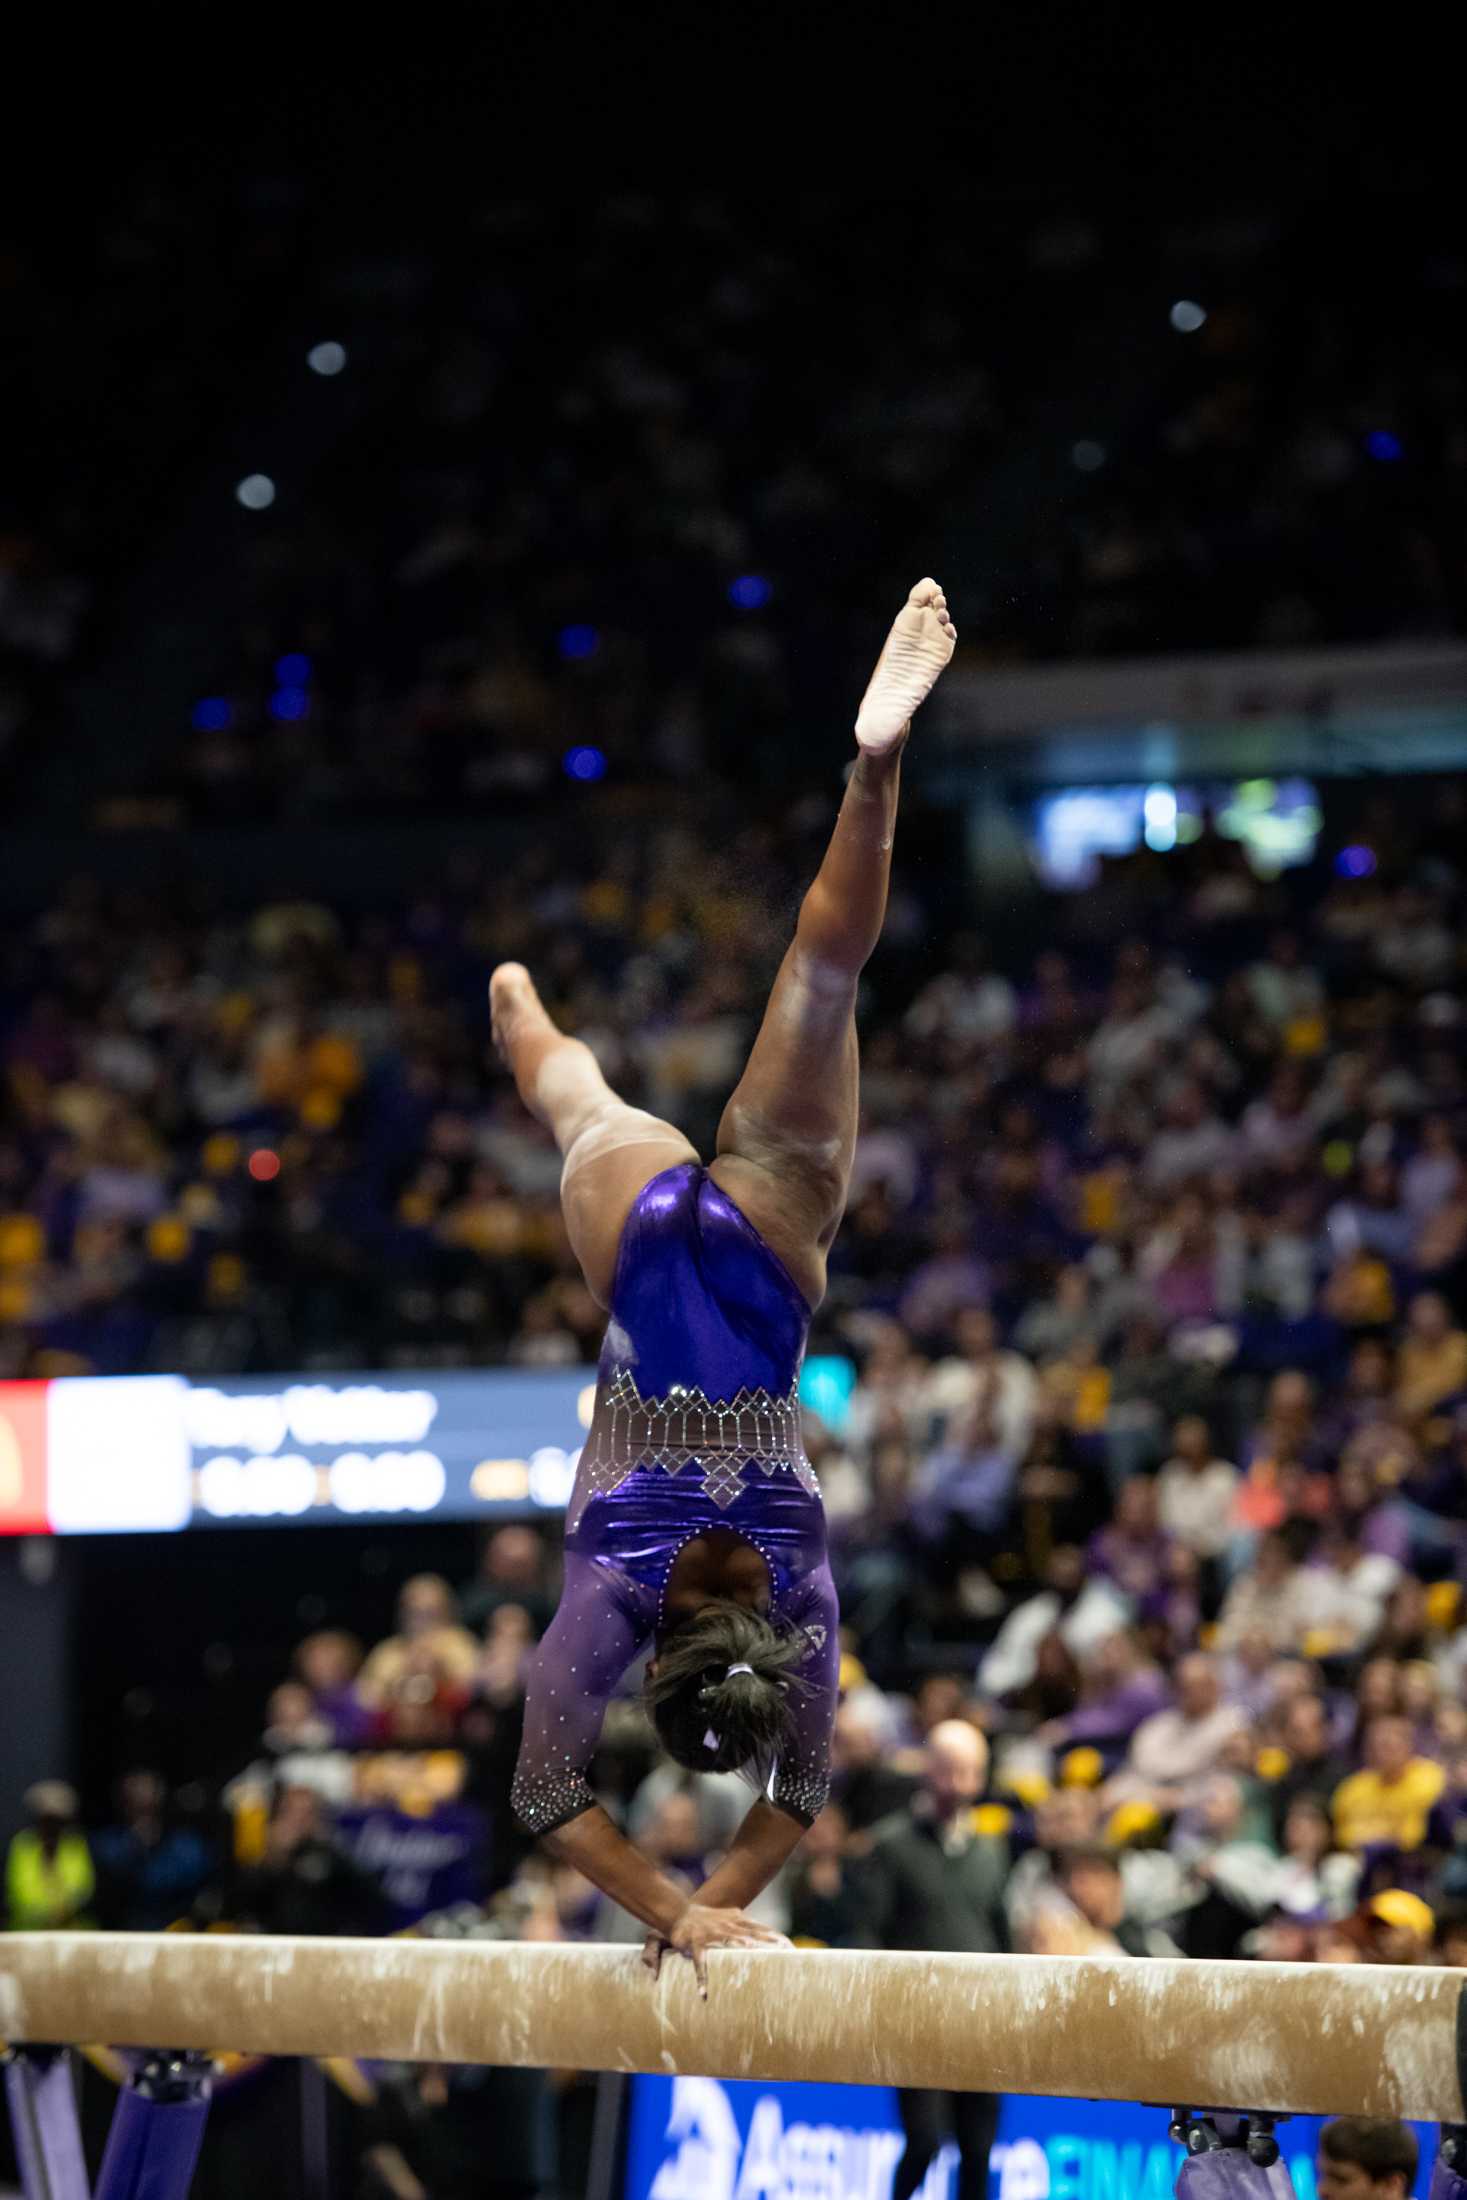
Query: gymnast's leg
(609, 1150)
(788, 1134)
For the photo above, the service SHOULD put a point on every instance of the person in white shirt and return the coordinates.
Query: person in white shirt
(980, 1371)
(1083, 1613)
(1270, 1600)
(1197, 1492)
(1174, 1750)
(886, 1399)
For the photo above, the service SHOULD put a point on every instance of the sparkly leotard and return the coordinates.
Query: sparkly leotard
(696, 1427)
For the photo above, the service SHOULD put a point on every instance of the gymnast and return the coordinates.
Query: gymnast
(695, 1524)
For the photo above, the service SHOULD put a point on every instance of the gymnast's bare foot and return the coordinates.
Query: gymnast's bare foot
(918, 648)
(515, 1010)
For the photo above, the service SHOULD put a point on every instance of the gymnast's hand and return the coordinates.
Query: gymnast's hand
(700, 1928)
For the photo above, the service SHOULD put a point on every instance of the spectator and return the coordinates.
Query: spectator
(459, 2132)
(1193, 1143)
(931, 1882)
(1134, 1551)
(1120, 1688)
(1099, 1922)
(1313, 1876)
(1178, 1748)
(328, 1664)
(49, 1878)
(1081, 1608)
(981, 1379)
(823, 1897)
(1451, 1939)
(1390, 1800)
(1366, 2158)
(511, 1571)
(1316, 1766)
(1432, 1366)
(148, 1871)
(1196, 1492)
(1064, 1818)
(867, 1785)
(427, 1624)
(885, 1402)
(293, 1725)
(1270, 1601)
(1399, 1928)
(303, 1883)
(1434, 1173)
(1054, 1326)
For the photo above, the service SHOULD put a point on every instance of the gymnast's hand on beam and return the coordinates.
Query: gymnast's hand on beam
(700, 1928)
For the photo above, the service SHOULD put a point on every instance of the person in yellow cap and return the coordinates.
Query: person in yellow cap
(1401, 1927)
(49, 1878)
(1390, 1802)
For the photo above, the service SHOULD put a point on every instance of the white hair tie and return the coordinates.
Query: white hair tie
(728, 1676)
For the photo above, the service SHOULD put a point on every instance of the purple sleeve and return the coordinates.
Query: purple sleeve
(802, 1778)
(593, 1638)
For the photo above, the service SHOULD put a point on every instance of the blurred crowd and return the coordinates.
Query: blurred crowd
(649, 464)
(651, 535)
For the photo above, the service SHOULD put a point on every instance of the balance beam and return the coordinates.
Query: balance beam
(1324, 2039)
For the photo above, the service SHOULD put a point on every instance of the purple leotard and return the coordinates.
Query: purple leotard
(696, 1426)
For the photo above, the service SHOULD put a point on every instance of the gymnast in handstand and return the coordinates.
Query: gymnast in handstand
(695, 1524)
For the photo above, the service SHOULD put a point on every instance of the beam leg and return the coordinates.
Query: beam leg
(157, 2130)
(1232, 2157)
(42, 2098)
(1449, 2171)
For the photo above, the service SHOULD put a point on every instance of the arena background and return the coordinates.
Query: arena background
(450, 504)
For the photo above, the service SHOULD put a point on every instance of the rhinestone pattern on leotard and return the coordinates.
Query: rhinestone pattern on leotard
(724, 1437)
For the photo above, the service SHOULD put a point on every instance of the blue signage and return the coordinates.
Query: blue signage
(710, 2139)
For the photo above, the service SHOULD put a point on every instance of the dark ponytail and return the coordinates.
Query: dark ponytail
(713, 1719)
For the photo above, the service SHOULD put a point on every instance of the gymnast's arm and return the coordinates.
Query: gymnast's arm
(586, 1649)
(762, 1846)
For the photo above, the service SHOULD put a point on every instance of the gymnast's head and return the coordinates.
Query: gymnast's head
(721, 1689)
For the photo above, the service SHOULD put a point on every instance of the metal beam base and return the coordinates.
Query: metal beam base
(41, 2095)
(157, 2130)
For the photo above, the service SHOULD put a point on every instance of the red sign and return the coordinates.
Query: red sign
(23, 1459)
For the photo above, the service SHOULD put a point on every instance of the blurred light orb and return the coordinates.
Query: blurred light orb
(585, 764)
(1384, 446)
(211, 714)
(264, 1165)
(1187, 316)
(1159, 815)
(293, 670)
(288, 704)
(326, 358)
(256, 492)
(750, 592)
(1356, 861)
(577, 642)
(1088, 455)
